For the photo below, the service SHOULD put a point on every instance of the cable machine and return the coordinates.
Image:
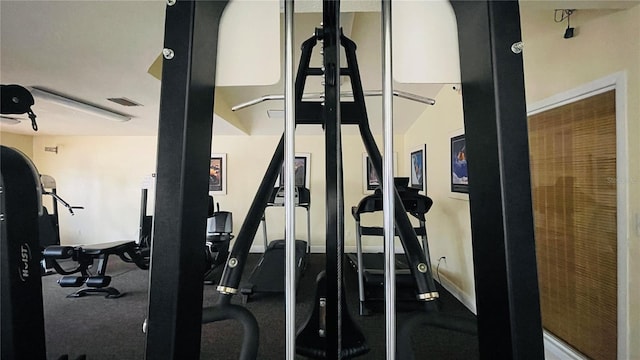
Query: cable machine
(496, 135)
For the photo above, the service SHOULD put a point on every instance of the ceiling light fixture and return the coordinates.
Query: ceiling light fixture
(51, 96)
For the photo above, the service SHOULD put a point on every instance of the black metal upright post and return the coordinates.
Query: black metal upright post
(507, 298)
(333, 156)
(22, 321)
(184, 148)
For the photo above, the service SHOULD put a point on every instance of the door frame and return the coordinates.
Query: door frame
(617, 82)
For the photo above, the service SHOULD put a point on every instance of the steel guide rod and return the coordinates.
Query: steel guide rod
(388, 199)
(289, 182)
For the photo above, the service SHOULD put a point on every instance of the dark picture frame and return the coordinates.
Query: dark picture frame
(302, 165)
(418, 168)
(218, 174)
(458, 161)
(372, 181)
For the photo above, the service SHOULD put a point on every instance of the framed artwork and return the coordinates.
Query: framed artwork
(370, 180)
(218, 174)
(418, 168)
(458, 161)
(302, 166)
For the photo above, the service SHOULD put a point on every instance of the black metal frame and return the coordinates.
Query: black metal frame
(184, 149)
(22, 320)
(507, 298)
(495, 121)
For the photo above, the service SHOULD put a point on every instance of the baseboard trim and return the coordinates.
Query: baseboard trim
(556, 349)
(468, 301)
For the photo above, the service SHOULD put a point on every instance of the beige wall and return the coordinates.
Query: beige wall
(606, 43)
(247, 160)
(23, 143)
(448, 221)
(104, 174)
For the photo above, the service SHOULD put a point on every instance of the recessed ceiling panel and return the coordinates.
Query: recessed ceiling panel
(249, 44)
(425, 42)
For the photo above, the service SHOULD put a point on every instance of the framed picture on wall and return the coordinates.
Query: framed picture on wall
(370, 180)
(418, 168)
(218, 174)
(302, 166)
(458, 162)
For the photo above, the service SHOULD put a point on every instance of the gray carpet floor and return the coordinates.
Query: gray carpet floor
(112, 328)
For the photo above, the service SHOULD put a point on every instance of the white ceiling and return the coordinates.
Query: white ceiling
(94, 50)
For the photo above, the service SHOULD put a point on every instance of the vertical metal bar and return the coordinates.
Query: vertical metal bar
(184, 148)
(264, 231)
(333, 156)
(360, 266)
(308, 230)
(504, 257)
(425, 243)
(289, 185)
(388, 188)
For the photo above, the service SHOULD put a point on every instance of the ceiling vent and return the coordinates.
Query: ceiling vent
(124, 101)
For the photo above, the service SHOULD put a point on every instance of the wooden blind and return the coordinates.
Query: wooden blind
(573, 171)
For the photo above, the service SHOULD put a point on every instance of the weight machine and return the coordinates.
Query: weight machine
(504, 254)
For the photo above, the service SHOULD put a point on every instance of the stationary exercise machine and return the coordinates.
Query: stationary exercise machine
(268, 275)
(22, 321)
(318, 338)
(219, 235)
(370, 266)
(495, 122)
(48, 222)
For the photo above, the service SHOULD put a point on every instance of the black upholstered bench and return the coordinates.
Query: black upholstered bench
(84, 256)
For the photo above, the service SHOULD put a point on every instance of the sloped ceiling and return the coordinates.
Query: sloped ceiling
(94, 50)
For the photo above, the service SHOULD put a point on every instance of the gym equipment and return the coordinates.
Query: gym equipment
(344, 94)
(219, 229)
(22, 321)
(48, 222)
(370, 266)
(16, 99)
(312, 336)
(495, 123)
(268, 275)
(84, 256)
(22, 318)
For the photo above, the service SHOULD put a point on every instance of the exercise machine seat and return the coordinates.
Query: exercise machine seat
(84, 256)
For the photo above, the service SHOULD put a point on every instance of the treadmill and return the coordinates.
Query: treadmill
(370, 266)
(268, 275)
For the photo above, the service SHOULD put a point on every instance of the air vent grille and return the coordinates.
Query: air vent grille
(124, 101)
